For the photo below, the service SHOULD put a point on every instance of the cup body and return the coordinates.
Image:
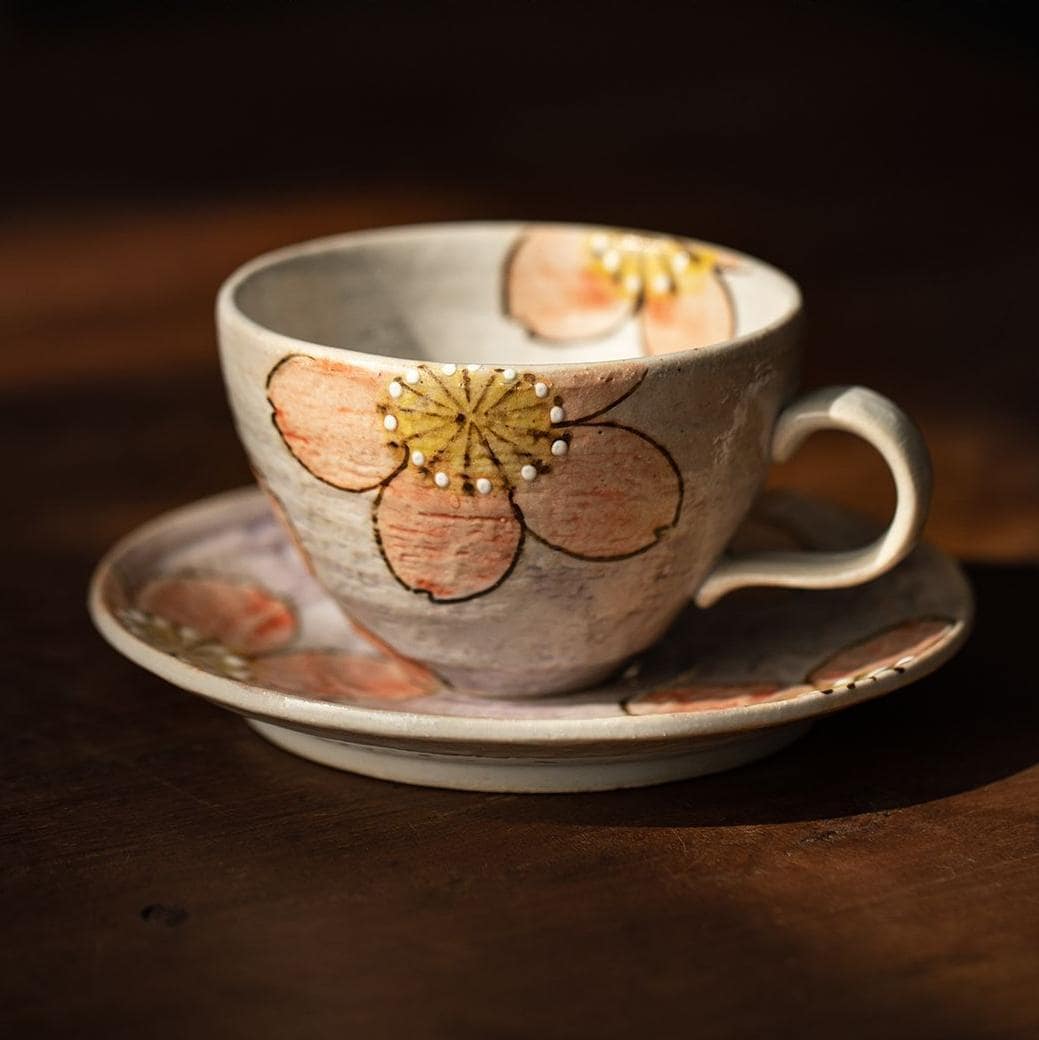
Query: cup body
(520, 499)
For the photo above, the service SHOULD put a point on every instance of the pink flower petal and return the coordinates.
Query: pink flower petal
(326, 414)
(334, 676)
(243, 617)
(707, 696)
(587, 392)
(552, 289)
(612, 495)
(417, 673)
(693, 318)
(444, 542)
(883, 650)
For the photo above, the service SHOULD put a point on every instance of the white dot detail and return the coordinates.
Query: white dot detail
(632, 283)
(484, 486)
(611, 260)
(560, 448)
(390, 422)
(449, 369)
(418, 458)
(441, 480)
(395, 389)
(557, 414)
(528, 472)
(541, 389)
(661, 283)
(472, 368)
(411, 376)
(509, 375)
(599, 243)
(679, 262)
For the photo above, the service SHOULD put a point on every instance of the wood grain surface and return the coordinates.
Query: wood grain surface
(164, 873)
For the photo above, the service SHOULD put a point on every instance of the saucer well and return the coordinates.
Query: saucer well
(214, 598)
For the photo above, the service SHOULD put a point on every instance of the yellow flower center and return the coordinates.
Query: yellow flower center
(647, 266)
(475, 429)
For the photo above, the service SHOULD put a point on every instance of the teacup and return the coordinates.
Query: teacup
(515, 452)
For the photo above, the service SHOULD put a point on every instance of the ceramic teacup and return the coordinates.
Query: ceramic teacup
(515, 452)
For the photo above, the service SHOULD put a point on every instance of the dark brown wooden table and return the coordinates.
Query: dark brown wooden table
(165, 873)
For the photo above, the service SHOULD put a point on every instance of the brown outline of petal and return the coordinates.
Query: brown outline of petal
(288, 447)
(521, 541)
(658, 532)
(583, 420)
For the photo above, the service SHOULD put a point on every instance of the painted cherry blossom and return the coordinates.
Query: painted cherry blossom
(467, 461)
(566, 284)
(889, 651)
(240, 630)
(886, 653)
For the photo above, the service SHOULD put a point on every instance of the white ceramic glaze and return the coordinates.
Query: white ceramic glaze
(855, 410)
(214, 598)
(515, 452)
(519, 775)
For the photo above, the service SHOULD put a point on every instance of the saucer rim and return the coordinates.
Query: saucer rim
(347, 720)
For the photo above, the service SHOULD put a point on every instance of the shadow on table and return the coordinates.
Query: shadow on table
(971, 723)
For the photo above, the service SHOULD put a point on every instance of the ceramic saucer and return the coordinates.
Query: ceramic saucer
(214, 599)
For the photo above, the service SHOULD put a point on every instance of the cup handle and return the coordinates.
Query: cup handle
(893, 434)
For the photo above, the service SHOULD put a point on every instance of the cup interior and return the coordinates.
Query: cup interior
(484, 294)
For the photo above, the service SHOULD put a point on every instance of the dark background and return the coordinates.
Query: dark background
(880, 152)
(163, 873)
(619, 106)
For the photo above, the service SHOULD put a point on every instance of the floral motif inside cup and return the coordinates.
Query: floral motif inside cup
(574, 284)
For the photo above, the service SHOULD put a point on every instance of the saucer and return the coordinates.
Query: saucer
(214, 598)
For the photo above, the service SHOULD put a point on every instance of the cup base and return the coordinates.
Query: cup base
(570, 773)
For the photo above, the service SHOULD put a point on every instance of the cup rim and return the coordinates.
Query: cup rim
(230, 314)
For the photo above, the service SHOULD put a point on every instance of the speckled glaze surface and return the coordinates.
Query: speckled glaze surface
(215, 598)
(514, 453)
